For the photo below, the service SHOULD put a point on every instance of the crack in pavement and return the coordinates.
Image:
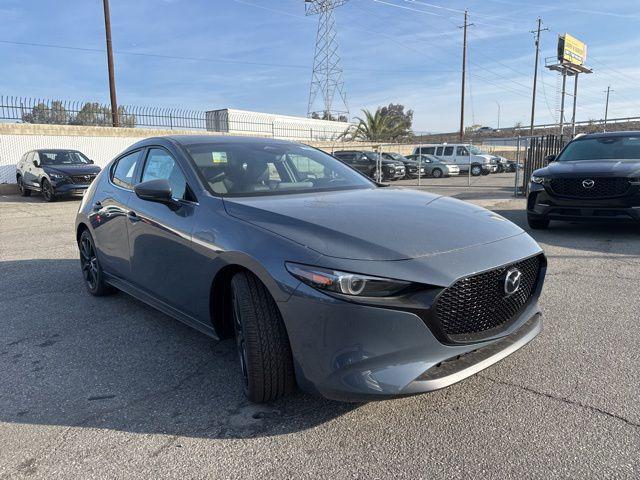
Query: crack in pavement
(563, 400)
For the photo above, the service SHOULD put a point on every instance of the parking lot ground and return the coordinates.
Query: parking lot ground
(110, 388)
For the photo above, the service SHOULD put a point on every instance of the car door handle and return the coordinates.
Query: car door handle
(133, 217)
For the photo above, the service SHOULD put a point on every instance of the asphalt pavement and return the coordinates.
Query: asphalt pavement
(110, 388)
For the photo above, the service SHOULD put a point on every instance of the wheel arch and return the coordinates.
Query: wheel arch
(80, 230)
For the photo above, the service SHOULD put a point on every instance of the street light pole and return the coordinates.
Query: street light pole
(112, 81)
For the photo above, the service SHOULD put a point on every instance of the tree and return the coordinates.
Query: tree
(399, 117)
(41, 113)
(377, 127)
(92, 113)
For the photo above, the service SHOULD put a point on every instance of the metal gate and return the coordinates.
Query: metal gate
(538, 149)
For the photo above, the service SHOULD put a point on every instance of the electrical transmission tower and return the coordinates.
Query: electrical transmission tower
(326, 78)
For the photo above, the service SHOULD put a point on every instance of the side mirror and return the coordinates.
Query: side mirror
(550, 158)
(155, 191)
(91, 162)
(36, 163)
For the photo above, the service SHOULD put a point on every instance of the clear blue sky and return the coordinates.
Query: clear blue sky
(408, 53)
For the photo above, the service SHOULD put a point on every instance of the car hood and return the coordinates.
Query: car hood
(617, 168)
(73, 169)
(374, 224)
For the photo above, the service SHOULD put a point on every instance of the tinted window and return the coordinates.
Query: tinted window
(604, 148)
(271, 168)
(428, 150)
(439, 150)
(462, 151)
(448, 151)
(122, 171)
(161, 166)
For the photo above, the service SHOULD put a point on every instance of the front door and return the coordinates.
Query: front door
(162, 258)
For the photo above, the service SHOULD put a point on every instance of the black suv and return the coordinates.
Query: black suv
(367, 163)
(54, 173)
(411, 166)
(595, 177)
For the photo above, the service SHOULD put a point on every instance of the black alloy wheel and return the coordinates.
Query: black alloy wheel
(47, 191)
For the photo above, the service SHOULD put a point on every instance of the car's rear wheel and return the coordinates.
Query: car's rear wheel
(436, 173)
(538, 223)
(263, 345)
(91, 269)
(24, 191)
(48, 193)
(476, 170)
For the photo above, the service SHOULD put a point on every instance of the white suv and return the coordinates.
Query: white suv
(462, 154)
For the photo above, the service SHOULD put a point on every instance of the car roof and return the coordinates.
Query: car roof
(196, 139)
(55, 150)
(623, 133)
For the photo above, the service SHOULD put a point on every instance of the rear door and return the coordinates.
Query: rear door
(109, 216)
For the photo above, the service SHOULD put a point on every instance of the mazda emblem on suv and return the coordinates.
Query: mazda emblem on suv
(588, 183)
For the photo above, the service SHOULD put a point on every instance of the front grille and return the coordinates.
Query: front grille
(82, 179)
(478, 303)
(601, 188)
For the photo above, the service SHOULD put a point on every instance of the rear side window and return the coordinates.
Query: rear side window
(448, 151)
(439, 150)
(122, 172)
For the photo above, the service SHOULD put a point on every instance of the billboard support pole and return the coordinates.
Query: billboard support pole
(575, 99)
(564, 91)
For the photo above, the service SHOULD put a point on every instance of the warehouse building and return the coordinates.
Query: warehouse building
(244, 122)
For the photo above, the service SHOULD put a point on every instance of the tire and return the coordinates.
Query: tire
(476, 170)
(48, 193)
(436, 173)
(91, 269)
(24, 191)
(538, 223)
(263, 345)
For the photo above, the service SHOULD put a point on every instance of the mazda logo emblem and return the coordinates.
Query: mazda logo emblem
(588, 183)
(512, 281)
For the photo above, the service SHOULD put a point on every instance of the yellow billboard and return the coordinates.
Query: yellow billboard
(571, 50)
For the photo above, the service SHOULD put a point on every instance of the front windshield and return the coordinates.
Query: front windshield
(397, 156)
(63, 157)
(603, 148)
(476, 151)
(236, 169)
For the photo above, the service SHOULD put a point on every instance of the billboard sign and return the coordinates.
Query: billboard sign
(571, 50)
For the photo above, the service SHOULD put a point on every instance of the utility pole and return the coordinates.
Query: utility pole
(606, 108)
(112, 81)
(535, 74)
(498, 104)
(464, 70)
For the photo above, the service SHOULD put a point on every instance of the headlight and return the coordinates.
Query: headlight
(538, 180)
(346, 283)
(56, 175)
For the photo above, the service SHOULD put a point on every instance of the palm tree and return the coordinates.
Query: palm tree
(376, 127)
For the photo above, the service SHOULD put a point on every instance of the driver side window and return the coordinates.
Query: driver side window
(161, 166)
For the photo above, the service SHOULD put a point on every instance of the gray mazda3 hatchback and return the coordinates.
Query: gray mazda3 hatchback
(349, 289)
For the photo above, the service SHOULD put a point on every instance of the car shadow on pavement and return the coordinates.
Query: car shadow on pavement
(73, 360)
(619, 238)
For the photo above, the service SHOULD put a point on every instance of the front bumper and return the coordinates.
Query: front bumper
(62, 188)
(350, 352)
(541, 204)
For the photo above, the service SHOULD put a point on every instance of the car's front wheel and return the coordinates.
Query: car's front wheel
(476, 170)
(538, 223)
(24, 191)
(91, 269)
(436, 173)
(261, 338)
(48, 192)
